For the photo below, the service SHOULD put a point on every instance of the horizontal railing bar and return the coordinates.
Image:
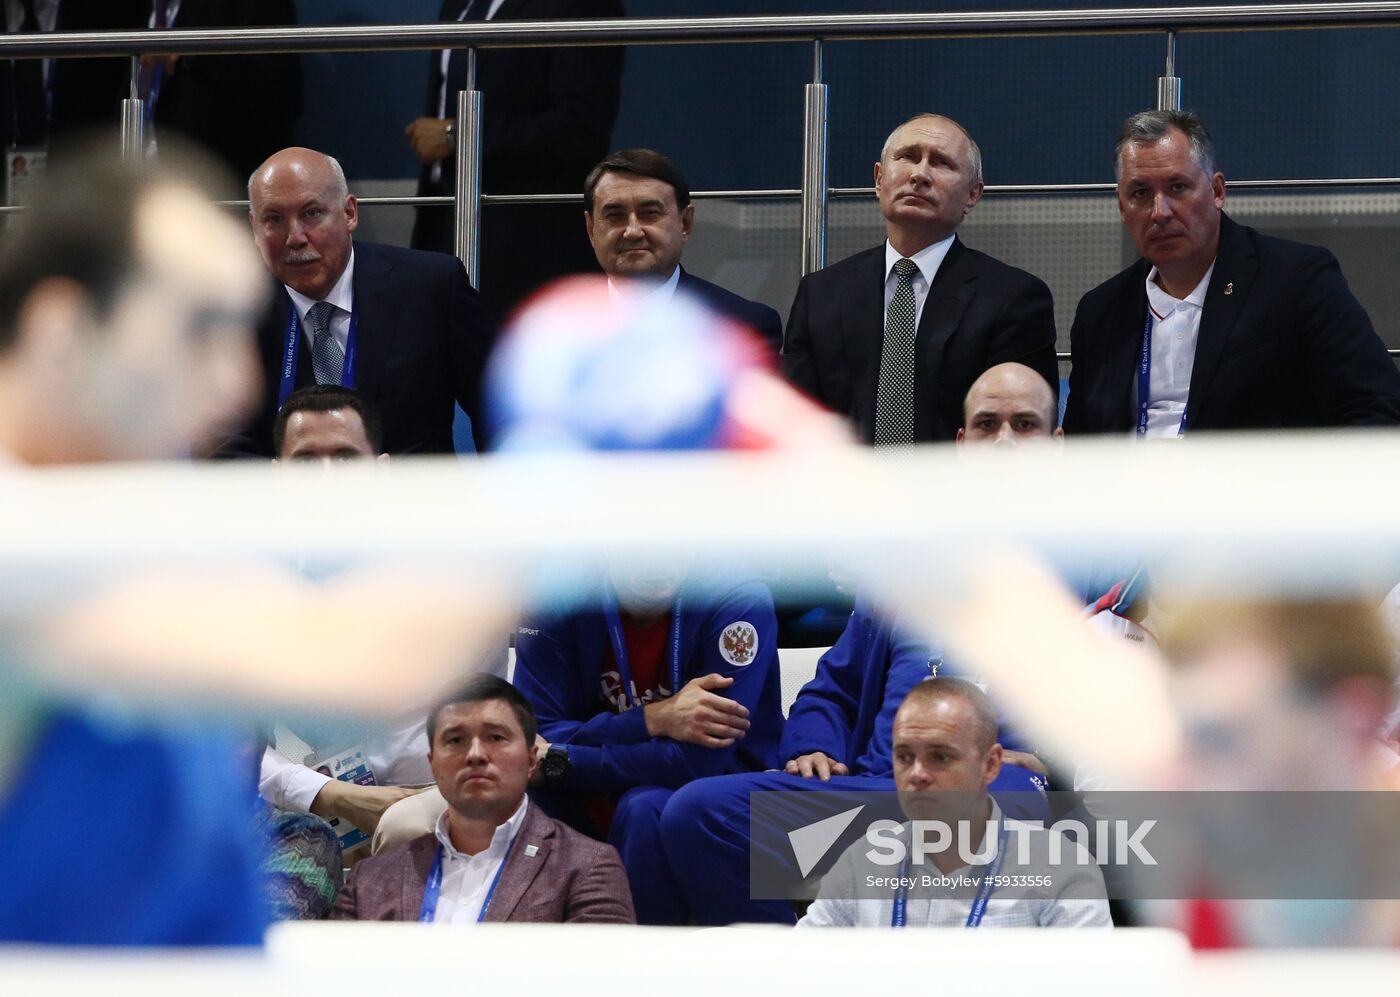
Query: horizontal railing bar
(792, 193)
(682, 30)
(1066, 357)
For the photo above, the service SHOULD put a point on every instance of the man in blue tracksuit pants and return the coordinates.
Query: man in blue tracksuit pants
(837, 738)
(665, 679)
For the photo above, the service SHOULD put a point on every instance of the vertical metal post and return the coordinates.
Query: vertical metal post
(134, 117)
(814, 161)
(468, 206)
(1169, 85)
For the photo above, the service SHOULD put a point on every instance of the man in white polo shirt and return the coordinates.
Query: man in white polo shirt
(1217, 326)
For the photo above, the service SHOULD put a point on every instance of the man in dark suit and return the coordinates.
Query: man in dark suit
(240, 107)
(638, 215)
(548, 117)
(1217, 326)
(402, 327)
(493, 856)
(895, 336)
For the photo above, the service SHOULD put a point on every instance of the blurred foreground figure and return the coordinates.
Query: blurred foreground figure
(1281, 696)
(1284, 696)
(126, 313)
(581, 368)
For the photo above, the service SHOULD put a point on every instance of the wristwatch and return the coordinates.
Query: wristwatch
(554, 766)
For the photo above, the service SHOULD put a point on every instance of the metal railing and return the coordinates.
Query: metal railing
(817, 29)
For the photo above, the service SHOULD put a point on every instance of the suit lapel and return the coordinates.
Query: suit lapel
(1230, 284)
(377, 299)
(948, 296)
(522, 866)
(863, 330)
(1123, 348)
(415, 885)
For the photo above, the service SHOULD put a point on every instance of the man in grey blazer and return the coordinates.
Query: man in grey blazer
(492, 856)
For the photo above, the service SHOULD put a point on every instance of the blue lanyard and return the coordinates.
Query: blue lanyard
(292, 351)
(433, 890)
(619, 646)
(899, 916)
(1144, 384)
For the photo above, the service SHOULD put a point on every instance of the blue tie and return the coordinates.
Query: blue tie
(327, 360)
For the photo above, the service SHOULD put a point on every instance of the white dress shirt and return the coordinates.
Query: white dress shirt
(1075, 900)
(928, 260)
(1176, 325)
(644, 291)
(398, 756)
(466, 879)
(342, 295)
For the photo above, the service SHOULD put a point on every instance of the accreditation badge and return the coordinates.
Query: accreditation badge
(24, 169)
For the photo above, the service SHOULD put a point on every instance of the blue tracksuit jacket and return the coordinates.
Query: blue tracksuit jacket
(847, 710)
(559, 664)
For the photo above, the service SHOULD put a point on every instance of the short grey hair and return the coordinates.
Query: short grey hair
(974, 152)
(1147, 127)
(342, 189)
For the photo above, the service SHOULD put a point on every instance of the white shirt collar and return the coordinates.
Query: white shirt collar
(1163, 304)
(499, 841)
(644, 290)
(342, 293)
(928, 259)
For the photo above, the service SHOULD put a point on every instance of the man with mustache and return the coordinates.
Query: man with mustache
(403, 328)
(1217, 326)
(493, 855)
(893, 337)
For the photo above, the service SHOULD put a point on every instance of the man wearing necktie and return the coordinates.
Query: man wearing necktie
(240, 107)
(24, 82)
(402, 327)
(548, 116)
(895, 336)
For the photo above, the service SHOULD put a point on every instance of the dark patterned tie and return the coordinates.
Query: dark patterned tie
(477, 10)
(327, 360)
(894, 399)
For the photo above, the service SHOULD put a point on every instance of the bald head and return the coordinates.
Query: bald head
(1009, 404)
(302, 215)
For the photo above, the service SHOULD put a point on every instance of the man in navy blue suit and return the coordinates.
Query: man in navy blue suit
(404, 328)
(547, 115)
(639, 216)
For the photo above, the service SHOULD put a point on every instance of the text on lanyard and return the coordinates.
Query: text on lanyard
(291, 354)
(619, 646)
